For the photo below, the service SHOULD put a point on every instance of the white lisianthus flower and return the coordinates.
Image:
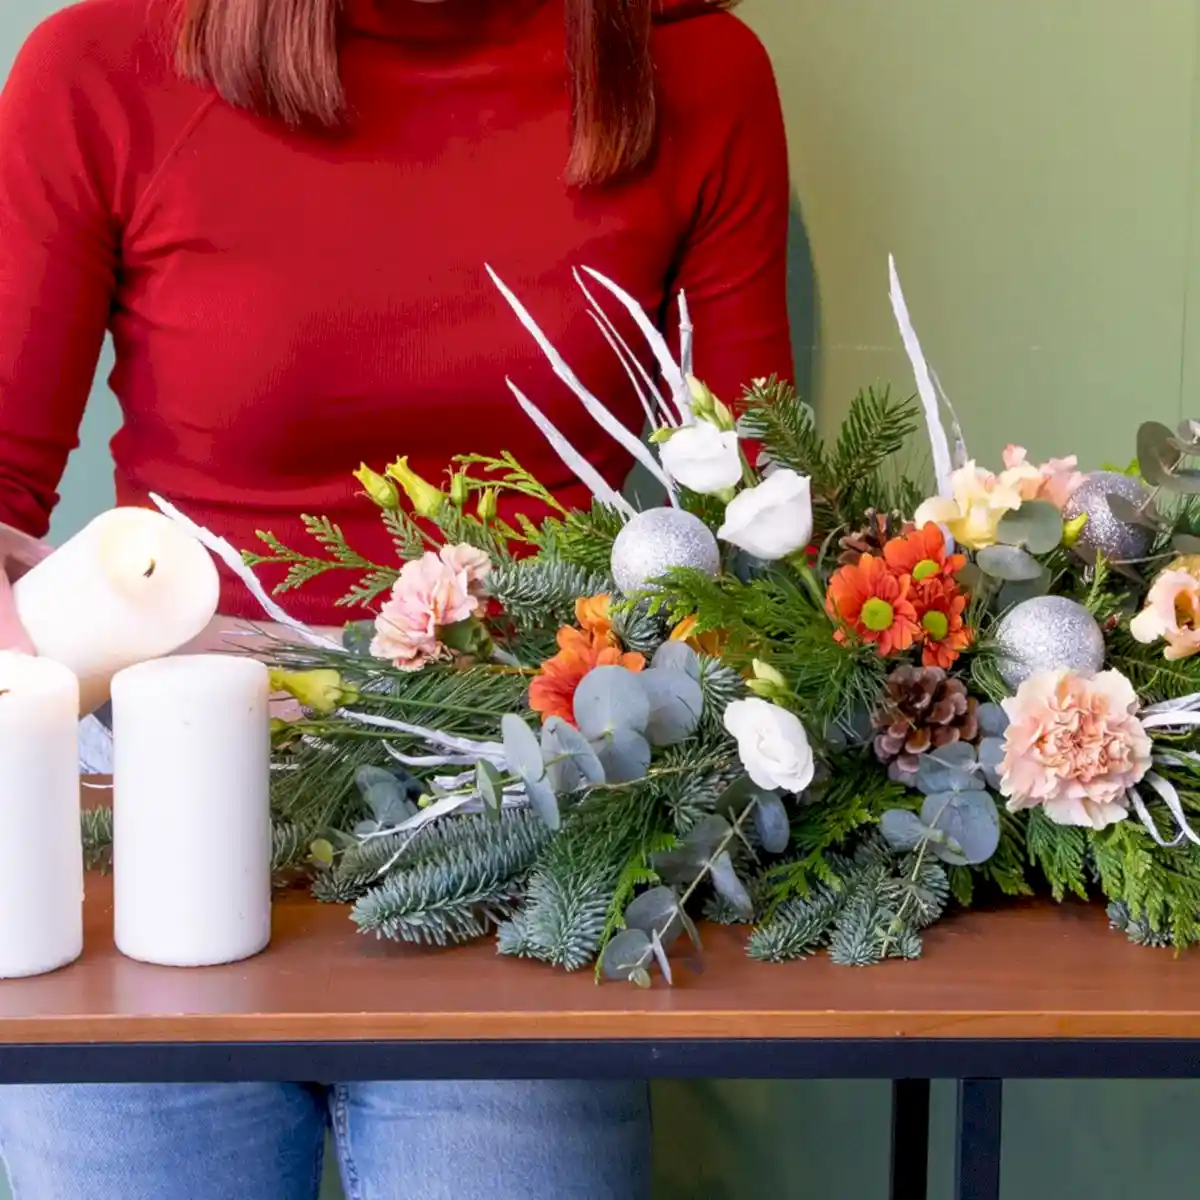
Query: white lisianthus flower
(771, 520)
(772, 744)
(703, 458)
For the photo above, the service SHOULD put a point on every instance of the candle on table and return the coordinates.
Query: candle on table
(41, 884)
(130, 586)
(191, 810)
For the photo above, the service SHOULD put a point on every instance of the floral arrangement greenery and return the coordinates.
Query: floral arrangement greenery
(813, 693)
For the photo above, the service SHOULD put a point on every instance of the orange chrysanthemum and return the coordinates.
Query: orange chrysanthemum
(940, 605)
(552, 692)
(711, 643)
(874, 602)
(922, 554)
(592, 614)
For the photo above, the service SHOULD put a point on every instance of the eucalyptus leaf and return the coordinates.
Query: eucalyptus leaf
(627, 953)
(571, 763)
(730, 888)
(610, 699)
(660, 955)
(681, 865)
(676, 706)
(901, 829)
(970, 822)
(953, 768)
(1186, 482)
(489, 785)
(1185, 543)
(521, 750)
(1009, 563)
(1156, 455)
(677, 656)
(1124, 509)
(1187, 435)
(544, 801)
(991, 755)
(993, 720)
(640, 977)
(656, 911)
(772, 824)
(624, 754)
(1014, 592)
(1037, 526)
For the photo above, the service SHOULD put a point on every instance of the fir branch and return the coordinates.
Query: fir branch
(289, 845)
(96, 828)
(462, 893)
(1060, 853)
(583, 538)
(541, 592)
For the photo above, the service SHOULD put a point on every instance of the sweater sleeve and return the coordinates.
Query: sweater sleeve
(58, 252)
(733, 268)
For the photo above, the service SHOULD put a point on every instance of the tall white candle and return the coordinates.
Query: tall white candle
(191, 810)
(41, 883)
(130, 586)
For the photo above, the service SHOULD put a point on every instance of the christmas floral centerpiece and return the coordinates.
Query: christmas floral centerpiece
(817, 691)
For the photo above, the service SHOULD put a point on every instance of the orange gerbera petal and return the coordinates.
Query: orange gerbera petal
(711, 643)
(592, 613)
(922, 554)
(873, 601)
(552, 692)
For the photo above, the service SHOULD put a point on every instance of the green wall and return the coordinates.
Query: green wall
(1032, 165)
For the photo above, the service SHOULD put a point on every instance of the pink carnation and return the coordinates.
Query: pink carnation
(1075, 746)
(474, 563)
(1055, 480)
(429, 595)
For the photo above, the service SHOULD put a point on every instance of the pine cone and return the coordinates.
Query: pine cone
(922, 709)
(877, 529)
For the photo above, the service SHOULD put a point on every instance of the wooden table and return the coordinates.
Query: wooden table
(1029, 991)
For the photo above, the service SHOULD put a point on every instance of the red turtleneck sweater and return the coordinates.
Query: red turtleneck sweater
(286, 305)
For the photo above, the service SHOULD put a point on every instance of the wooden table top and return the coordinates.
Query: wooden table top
(1024, 971)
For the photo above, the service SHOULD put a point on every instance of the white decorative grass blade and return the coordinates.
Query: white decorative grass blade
(629, 441)
(687, 339)
(938, 441)
(680, 392)
(654, 417)
(667, 416)
(1143, 814)
(584, 471)
(233, 560)
(492, 751)
(960, 455)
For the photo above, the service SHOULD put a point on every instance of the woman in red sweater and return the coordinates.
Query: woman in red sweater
(281, 210)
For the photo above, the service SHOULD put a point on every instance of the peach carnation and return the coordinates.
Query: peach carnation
(1172, 611)
(1054, 481)
(471, 561)
(1074, 745)
(430, 594)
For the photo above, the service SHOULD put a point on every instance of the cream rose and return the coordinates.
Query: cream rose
(771, 520)
(772, 744)
(703, 458)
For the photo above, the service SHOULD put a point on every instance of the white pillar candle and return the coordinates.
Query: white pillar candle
(41, 882)
(130, 586)
(191, 810)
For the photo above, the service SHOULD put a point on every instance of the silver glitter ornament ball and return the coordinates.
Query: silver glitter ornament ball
(1047, 633)
(1118, 541)
(658, 540)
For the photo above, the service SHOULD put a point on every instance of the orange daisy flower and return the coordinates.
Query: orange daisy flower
(922, 554)
(592, 614)
(874, 602)
(711, 643)
(940, 606)
(552, 692)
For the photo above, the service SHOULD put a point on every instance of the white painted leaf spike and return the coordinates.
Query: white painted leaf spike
(233, 560)
(680, 392)
(652, 415)
(687, 339)
(938, 442)
(584, 471)
(630, 442)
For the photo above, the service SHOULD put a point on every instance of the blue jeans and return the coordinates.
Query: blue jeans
(264, 1141)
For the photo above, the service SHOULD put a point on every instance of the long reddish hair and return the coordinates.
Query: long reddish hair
(280, 58)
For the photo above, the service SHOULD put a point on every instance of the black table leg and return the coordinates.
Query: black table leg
(977, 1157)
(910, 1139)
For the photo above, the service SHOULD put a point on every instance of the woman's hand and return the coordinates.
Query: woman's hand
(18, 552)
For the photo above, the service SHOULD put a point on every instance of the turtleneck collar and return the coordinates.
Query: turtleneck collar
(437, 20)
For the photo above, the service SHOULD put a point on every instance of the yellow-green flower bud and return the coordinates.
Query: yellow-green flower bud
(322, 691)
(1073, 530)
(767, 682)
(460, 489)
(489, 505)
(707, 407)
(426, 500)
(378, 487)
